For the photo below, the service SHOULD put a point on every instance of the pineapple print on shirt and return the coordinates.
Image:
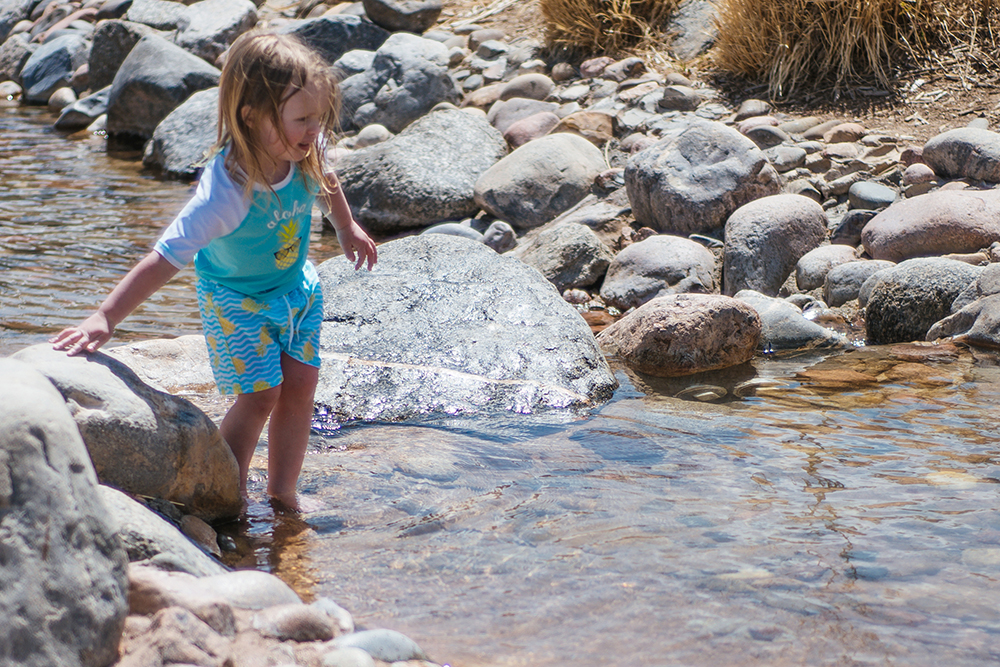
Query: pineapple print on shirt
(289, 237)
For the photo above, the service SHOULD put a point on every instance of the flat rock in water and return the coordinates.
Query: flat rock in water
(444, 325)
(937, 223)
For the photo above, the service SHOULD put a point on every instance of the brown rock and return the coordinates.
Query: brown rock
(295, 622)
(684, 334)
(528, 86)
(595, 126)
(844, 132)
(202, 533)
(938, 223)
(563, 72)
(484, 97)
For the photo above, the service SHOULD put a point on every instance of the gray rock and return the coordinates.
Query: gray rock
(409, 76)
(173, 365)
(424, 175)
(83, 112)
(113, 40)
(527, 86)
(158, 14)
(539, 180)
(384, 645)
(783, 326)
(207, 28)
(938, 223)
(51, 67)
(843, 282)
(569, 255)
(112, 9)
(693, 28)
(455, 229)
(658, 266)
(181, 141)
(812, 267)
(691, 182)
(786, 158)
(679, 98)
(342, 617)
(871, 196)
(765, 239)
(848, 230)
(752, 108)
(142, 440)
(504, 113)
(154, 79)
(11, 13)
(986, 284)
(354, 62)
(370, 135)
(152, 589)
(432, 328)
(349, 656)
(14, 53)
(333, 36)
(148, 537)
(907, 299)
(965, 153)
(63, 591)
(683, 334)
(500, 236)
(978, 323)
(407, 15)
(294, 622)
(767, 136)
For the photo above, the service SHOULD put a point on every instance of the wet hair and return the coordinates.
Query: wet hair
(262, 70)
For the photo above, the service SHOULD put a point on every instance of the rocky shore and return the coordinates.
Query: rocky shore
(514, 193)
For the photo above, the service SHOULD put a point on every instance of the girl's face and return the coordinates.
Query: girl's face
(300, 125)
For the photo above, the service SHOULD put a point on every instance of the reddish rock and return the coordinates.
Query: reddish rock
(844, 132)
(530, 128)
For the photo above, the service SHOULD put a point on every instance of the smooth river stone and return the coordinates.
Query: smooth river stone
(937, 223)
(871, 196)
(965, 153)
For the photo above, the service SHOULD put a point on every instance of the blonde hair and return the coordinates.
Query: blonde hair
(262, 70)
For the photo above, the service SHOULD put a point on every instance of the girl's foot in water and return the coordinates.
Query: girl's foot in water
(297, 503)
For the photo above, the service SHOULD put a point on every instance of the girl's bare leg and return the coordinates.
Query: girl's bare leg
(242, 426)
(288, 432)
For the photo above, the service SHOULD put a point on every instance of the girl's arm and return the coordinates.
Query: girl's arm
(149, 275)
(357, 245)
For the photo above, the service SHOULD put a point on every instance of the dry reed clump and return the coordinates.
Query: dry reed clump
(604, 26)
(797, 43)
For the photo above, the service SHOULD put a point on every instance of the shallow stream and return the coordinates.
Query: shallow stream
(842, 512)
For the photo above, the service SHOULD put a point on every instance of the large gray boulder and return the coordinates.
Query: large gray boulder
(403, 15)
(63, 588)
(906, 300)
(683, 334)
(937, 223)
(409, 76)
(692, 181)
(568, 255)
(113, 40)
(51, 67)
(148, 537)
(424, 175)
(985, 284)
(978, 323)
(11, 13)
(765, 240)
(182, 139)
(540, 180)
(658, 266)
(158, 14)
(333, 36)
(965, 152)
(156, 77)
(444, 325)
(207, 28)
(783, 326)
(142, 440)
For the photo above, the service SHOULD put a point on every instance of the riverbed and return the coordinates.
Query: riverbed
(829, 509)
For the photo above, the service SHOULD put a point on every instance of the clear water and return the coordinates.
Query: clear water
(846, 514)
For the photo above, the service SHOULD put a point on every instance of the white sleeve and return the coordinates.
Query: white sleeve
(216, 209)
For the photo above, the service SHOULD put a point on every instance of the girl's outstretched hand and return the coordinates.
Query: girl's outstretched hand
(89, 335)
(357, 245)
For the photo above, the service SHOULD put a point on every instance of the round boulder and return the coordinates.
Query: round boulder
(843, 282)
(812, 267)
(783, 326)
(965, 153)
(683, 334)
(569, 255)
(658, 266)
(539, 180)
(403, 15)
(765, 240)
(937, 223)
(907, 299)
(691, 182)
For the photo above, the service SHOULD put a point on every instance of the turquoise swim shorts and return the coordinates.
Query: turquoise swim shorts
(246, 336)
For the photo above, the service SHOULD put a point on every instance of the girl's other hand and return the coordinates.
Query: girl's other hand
(357, 245)
(91, 334)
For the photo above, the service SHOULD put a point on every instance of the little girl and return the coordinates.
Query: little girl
(247, 231)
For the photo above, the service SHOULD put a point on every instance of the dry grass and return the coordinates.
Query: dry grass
(604, 26)
(789, 44)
